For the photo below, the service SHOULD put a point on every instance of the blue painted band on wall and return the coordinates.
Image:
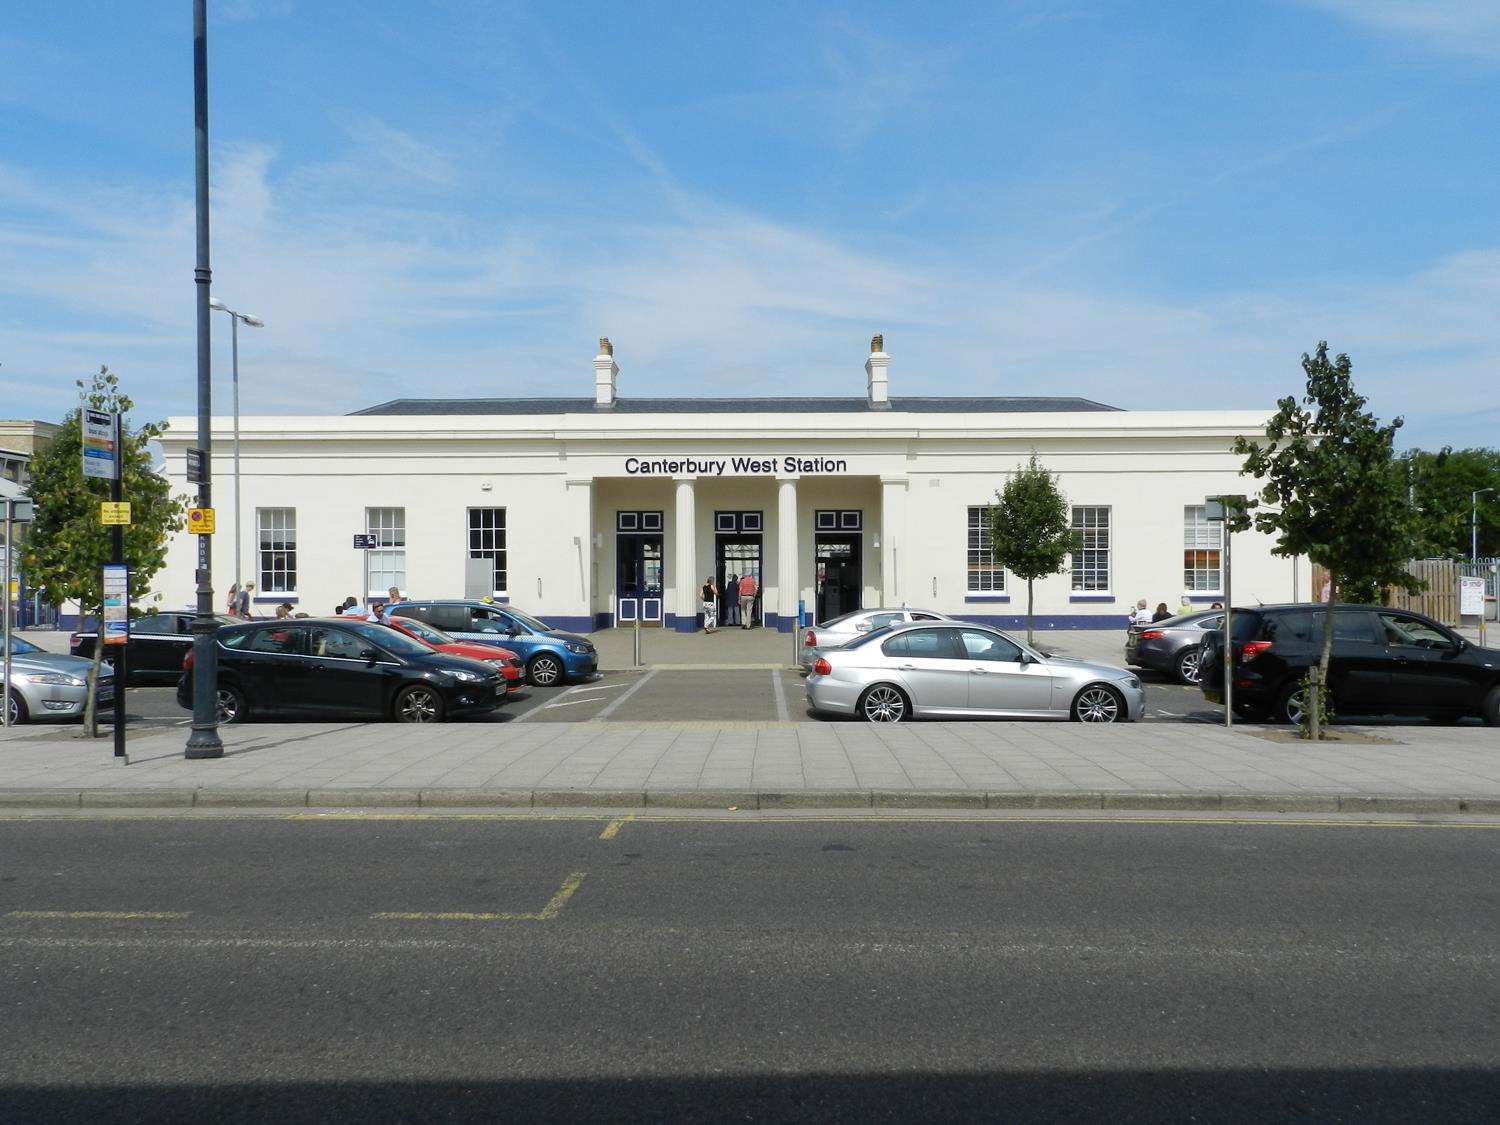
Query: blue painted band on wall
(567, 624)
(981, 599)
(274, 599)
(1100, 598)
(1204, 599)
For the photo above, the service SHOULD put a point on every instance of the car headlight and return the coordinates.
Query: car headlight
(580, 649)
(1134, 682)
(58, 678)
(466, 676)
(496, 663)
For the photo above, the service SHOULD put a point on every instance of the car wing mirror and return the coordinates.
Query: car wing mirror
(369, 656)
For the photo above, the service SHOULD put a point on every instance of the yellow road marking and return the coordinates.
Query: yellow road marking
(92, 915)
(546, 914)
(612, 829)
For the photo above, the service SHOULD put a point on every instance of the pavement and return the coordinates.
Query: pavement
(828, 968)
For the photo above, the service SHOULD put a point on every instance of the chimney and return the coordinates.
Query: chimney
(605, 370)
(877, 387)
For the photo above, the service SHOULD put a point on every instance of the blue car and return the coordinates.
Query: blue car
(549, 656)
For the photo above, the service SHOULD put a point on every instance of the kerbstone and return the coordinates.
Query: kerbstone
(137, 798)
(250, 798)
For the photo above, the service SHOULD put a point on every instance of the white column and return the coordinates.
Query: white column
(579, 592)
(788, 585)
(686, 578)
(893, 548)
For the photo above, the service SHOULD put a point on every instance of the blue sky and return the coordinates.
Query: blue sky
(1158, 205)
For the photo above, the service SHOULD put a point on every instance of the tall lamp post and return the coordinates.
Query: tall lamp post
(204, 741)
(1474, 523)
(235, 319)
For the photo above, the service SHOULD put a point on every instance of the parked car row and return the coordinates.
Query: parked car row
(49, 685)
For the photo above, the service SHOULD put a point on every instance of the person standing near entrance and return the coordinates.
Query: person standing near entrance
(731, 599)
(747, 601)
(710, 606)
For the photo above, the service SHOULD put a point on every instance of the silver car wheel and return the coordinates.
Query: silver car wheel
(1096, 705)
(227, 704)
(884, 705)
(1294, 709)
(545, 671)
(1187, 667)
(417, 705)
(15, 708)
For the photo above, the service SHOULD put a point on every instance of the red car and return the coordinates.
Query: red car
(502, 658)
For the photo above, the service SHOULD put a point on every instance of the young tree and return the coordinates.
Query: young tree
(1030, 534)
(1333, 491)
(67, 548)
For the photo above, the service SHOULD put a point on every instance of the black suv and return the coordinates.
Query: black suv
(1384, 662)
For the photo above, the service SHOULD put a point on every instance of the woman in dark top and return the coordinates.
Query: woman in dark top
(710, 606)
(1162, 612)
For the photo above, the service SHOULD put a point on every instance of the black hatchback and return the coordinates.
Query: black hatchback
(1384, 662)
(342, 669)
(155, 644)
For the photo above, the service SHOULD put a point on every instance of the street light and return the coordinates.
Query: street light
(1474, 522)
(235, 319)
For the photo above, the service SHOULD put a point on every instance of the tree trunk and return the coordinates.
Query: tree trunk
(1030, 635)
(91, 700)
(1320, 686)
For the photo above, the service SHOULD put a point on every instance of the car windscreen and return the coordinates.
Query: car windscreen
(425, 632)
(530, 622)
(18, 647)
(388, 639)
(862, 639)
(839, 620)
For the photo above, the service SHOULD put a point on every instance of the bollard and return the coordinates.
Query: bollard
(636, 639)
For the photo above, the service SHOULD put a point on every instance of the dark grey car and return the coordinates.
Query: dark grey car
(1171, 645)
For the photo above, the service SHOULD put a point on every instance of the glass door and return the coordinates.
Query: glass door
(739, 556)
(838, 579)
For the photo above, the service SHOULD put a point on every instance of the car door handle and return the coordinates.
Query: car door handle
(979, 671)
(907, 667)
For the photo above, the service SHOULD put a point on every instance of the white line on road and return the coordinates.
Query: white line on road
(619, 699)
(780, 692)
(566, 703)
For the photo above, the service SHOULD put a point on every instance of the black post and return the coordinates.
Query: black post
(117, 556)
(204, 741)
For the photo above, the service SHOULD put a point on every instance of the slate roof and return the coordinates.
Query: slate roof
(899, 405)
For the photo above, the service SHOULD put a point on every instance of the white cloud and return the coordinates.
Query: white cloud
(1465, 26)
(364, 304)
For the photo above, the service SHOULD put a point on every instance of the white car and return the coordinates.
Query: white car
(839, 631)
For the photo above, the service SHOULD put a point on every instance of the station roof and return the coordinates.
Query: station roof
(791, 405)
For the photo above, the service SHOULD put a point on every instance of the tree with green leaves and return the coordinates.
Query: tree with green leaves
(1442, 486)
(1030, 533)
(1333, 490)
(68, 546)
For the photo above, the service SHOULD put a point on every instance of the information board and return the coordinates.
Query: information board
(1471, 597)
(116, 604)
(101, 458)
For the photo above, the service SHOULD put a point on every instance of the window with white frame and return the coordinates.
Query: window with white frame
(276, 550)
(1091, 546)
(984, 575)
(487, 541)
(1202, 551)
(387, 560)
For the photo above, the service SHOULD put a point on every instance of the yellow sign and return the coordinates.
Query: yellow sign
(112, 515)
(200, 521)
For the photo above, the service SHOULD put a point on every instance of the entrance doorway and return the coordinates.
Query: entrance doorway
(640, 568)
(839, 575)
(738, 547)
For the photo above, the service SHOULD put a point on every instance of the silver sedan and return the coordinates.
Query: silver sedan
(46, 685)
(952, 670)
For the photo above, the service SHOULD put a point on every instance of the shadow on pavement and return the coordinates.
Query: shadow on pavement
(1382, 1094)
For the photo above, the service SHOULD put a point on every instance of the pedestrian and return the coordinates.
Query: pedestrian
(747, 602)
(710, 606)
(1184, 606)
(1217, 605)
(232, 604)
(246, 592)
(1162, 613)
(345, 607)
(352, 608)
(283, 611)
(731, 599)
(394, 595)
(1142, 615)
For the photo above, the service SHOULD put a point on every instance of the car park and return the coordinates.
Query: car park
(549, 655)
(502, 659)
(1384, 661)
(342, 668)
(155, 645)
(839, 631)
(957, 670)
(1170, 646)
(49, 685)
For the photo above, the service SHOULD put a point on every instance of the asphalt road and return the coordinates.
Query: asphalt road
(478, 969)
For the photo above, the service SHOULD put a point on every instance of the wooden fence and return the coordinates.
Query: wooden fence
(1438, 598)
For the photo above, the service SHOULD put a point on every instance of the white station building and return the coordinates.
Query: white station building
(591, 512)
